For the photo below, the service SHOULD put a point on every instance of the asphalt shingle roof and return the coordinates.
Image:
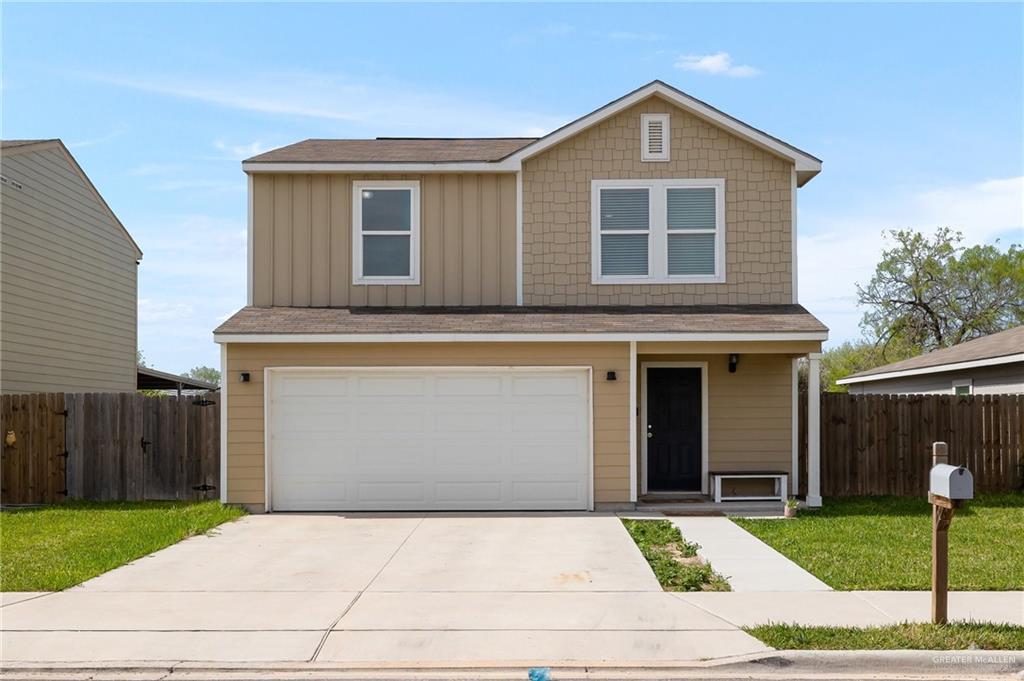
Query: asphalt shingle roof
(395, 150)
(522, 319)
(1009, 342)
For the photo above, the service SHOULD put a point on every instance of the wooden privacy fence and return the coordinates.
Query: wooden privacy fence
(881, 444)
(108, 446)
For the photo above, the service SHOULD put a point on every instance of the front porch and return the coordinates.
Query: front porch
(698, 408)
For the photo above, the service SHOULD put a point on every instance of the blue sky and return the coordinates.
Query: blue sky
(916, 110)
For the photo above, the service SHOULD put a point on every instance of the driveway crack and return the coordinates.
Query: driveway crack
(348, 608)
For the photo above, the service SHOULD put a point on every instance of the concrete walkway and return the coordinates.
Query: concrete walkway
(744, 560)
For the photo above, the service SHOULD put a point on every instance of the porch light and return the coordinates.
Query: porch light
(610, 376)
(734, 359)
(244, 377)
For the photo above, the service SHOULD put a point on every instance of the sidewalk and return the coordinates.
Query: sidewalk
(747, 563)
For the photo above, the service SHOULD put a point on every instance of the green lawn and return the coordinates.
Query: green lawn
(953, 636)
(885, 543)
(54, 547)
(673, 559)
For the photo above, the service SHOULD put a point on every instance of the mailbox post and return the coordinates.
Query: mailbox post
(948, 488)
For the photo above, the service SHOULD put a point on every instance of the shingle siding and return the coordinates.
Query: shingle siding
(556, 212)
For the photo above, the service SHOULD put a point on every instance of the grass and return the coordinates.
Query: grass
(885, 543)
(906, 636)
(55, 547)
(673, 559)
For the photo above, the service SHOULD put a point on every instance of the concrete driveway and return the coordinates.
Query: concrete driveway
(379, 590)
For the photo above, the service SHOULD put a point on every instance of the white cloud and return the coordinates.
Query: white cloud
(717, 64)
(150, 169)
(837, 252)
(162, 311)
(377, 105)
(238, 152)
(94, 141)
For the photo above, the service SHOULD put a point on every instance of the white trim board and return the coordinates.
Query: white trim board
(704, 421)
(511, 337)
(224, 380)
(938, 369)
(270, 372)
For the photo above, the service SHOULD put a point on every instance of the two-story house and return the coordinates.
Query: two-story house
(604, 314)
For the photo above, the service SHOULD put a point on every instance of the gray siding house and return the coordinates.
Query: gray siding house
(992, 365)
(68, 275)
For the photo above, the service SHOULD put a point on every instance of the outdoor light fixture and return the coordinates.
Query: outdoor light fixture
(734, 359)
(611, 376)
(244, 377)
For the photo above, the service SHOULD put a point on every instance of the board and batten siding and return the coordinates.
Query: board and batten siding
(245, 429)
(68, 274)
(302, 241)
(557, 224)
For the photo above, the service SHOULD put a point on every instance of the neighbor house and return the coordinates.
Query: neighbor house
(68, 281)
(990, 365)
(600, 316)
(68, 307)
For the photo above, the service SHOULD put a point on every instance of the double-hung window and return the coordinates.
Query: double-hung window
(385, 232)
(658, 231)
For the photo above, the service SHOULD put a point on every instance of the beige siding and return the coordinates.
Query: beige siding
(611, 398)
(67, 282)
(556, 212)
(302, 241)
(749, 412)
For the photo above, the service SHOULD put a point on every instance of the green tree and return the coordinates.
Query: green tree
(931, 293)
(204, 373)
(140, 359)
(855, 356)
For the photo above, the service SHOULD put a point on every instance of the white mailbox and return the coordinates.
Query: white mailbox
(952, 482)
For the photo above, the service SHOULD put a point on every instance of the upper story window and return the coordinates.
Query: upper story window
(654, 137)
(385, 232)
(658, 231)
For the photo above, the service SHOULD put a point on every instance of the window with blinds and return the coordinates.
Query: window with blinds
(625, 225)
(654, 137)
(658, 231)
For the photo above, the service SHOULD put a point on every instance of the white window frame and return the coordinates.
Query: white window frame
(358, 233)
(963, 383)
(666, 131)
(657, 234)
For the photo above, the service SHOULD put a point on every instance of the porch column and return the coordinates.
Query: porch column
(633, 368)
(813, 429)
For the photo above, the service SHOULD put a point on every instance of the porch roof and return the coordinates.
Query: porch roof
(695, 319)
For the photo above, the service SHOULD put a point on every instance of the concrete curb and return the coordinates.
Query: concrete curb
(791, 665)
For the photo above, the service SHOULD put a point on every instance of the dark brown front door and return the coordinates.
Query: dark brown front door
(673, 429)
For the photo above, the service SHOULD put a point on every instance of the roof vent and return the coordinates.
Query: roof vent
(654, 137)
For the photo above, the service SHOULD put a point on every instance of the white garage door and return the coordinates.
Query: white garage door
(429, 439)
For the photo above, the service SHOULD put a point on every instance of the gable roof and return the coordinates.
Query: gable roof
(11, 147)
(1005, 347)
(483, 155)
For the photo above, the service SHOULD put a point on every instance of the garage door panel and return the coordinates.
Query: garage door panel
(481, 386)
(390, 492)
(315, 386)
(431, 439)
(541, 384)
(390, 385)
